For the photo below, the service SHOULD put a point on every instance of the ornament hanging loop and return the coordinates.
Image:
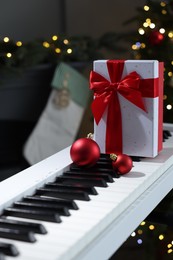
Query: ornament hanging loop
(90, 135)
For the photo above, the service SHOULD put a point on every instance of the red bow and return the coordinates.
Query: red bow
(105, 93)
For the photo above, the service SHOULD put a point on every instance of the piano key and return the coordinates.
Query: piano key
(97, 182)
(94, 169)
(19, 225)
(89, 175)
(73, 187)
(73, 195)
(8, 249)
(165, 135)
(52, 201)
(167, 132)
(32, 214)
(17, 234)
(38, 206)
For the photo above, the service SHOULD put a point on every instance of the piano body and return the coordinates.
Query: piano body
(100, 225)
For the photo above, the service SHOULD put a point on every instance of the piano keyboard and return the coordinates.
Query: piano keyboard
(52, 210)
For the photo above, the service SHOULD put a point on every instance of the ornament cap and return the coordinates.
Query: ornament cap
(113, 156)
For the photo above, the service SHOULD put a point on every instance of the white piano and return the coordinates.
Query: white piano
(100, 226)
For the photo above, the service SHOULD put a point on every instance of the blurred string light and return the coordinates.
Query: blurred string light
(146, 8)
(144, 29)
(54, 37)
(140, 236)
(6, 39)
(139, 241)
(163, 4)
(45, 44)
(18, 43)
(9, 55)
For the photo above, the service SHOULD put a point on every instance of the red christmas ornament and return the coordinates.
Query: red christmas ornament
(155, 38)
(122, 163)
(85, 152)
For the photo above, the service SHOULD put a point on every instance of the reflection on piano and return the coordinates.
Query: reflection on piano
(52, 210)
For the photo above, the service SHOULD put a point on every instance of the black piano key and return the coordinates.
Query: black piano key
(70, 204)
(165, 135)
(136, 158)
(94, 169)
(79, 187)
(21, 225)
(32, 214)
(74, 195)
(167, 132)
(8, 249)
(98, 182)
(38, 206)
(17, 235)
(89, 175)
(105, 156)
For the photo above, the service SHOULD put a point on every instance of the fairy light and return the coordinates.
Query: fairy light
(139, 241)
(161, 237)
(169, 245)
(143, 223)
(163, 4)
(146, 8)
(143, 45)
(164, 11)
(133, 234)
(148, 20)
(141, 31)
(46, 44)
(69, 51)
(170, 73)
(169, 107)
(164, 97)
(151, 227)
(66, 41)
(58, 50)
(18, 43)
(169, 251)
(134, 47)
(8, 55)
(140, 231)
(54, 37)
(170, 34)
(172, 242)
(6, 39)
(145, 24)
(162, 30)
(152, 25)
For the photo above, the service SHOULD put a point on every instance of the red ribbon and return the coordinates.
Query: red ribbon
(106, 95)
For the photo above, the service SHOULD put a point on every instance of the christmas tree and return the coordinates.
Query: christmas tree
(154, 40)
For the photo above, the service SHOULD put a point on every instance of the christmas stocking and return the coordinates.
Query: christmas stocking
(58, 124)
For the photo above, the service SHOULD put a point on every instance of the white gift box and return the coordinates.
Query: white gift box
(141, 130)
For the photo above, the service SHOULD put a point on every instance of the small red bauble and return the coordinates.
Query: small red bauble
(155, 38)
(85, 152)
(122, 163)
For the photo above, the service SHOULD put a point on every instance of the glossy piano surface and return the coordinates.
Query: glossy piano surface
(100, 225)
